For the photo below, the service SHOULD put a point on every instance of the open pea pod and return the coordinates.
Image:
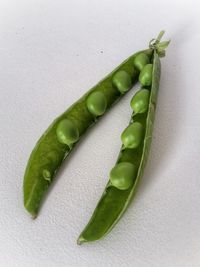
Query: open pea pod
(59, 139)
(131, 161)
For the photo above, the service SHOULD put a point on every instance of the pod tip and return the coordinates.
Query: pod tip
(80, 240)
(30, 211)
(33, 216)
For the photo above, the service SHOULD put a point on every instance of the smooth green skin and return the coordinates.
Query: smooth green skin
(122, 175)
(114, 202)
(141, 60)
(132, 136)
(49, 153)
(145, 76)
(67, 132)
(140, 101)
(96, 103)
(122, 81)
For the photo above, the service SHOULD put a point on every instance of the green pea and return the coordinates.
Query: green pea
(122, 80)
(67, 132)
(132, 135)
(122, 175)
(140, 61)
(140, 101)
(46, 174)
(96, 103)
(145, 76)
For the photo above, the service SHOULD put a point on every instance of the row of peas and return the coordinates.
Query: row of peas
(123, 174)
(67, 132)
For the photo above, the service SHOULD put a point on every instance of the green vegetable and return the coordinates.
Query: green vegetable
(62, 135)
(96, 103)
(140, 101)
(67, 132)
(122, 175)
(132, 135)
(145, 77)
(122, 80)
(114, 201)
(140, 61)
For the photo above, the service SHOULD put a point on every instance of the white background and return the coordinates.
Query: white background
(51, 52)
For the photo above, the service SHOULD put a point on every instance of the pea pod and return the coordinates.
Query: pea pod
(62, 135)
(114, 201)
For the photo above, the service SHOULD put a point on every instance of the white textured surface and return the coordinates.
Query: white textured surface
(51, 52)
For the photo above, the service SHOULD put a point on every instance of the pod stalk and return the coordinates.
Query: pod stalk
(159, 46)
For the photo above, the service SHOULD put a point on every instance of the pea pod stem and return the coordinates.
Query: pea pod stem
(158, 46)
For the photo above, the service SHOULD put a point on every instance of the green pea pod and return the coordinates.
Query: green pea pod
(114, 201)
(62, 135)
